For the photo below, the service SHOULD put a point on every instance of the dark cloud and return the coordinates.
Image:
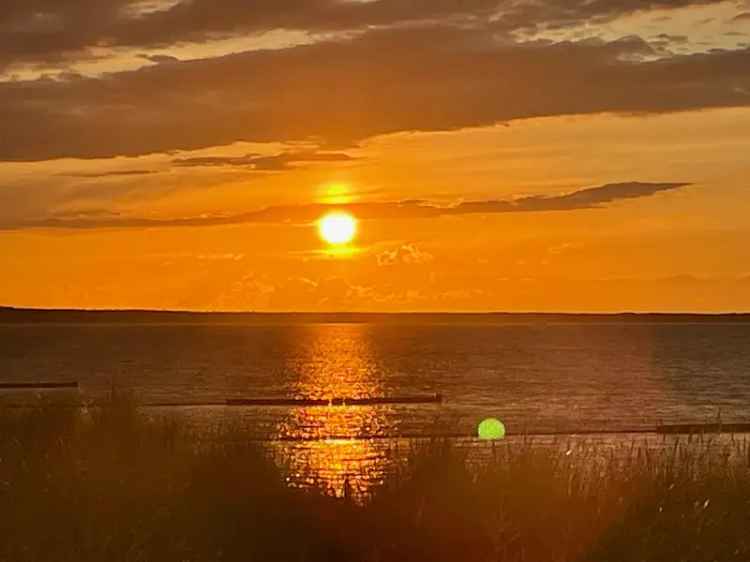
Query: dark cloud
(86, 214)
(109, 174)
(274, 163)
(667, 38)
(596, 196)
(590, 198)
(198, 20)
(745, 16)
(160, 59)
(427, 79)
(53, 30)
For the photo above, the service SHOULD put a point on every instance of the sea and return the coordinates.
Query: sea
(539, 374)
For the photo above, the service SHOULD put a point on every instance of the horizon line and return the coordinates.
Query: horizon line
(195, 312)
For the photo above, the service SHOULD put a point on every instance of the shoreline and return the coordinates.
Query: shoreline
(20, 316)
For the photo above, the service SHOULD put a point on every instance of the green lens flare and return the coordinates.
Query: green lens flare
(491, 429)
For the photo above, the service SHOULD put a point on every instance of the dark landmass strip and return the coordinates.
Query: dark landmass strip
(10, 315)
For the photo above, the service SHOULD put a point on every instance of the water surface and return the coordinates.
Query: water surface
(535, 376)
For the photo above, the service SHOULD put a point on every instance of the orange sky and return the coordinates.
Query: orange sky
(499, 157)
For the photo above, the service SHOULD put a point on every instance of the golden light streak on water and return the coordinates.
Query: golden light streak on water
(340, 363)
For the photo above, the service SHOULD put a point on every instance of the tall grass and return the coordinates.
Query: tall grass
(110, 486)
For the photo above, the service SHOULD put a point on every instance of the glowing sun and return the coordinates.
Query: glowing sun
(337, 228)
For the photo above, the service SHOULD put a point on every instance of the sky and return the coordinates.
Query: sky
(498, 155)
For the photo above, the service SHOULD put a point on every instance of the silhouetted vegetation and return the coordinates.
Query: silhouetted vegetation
(110, 486)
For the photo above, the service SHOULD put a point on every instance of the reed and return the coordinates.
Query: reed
(110, 485)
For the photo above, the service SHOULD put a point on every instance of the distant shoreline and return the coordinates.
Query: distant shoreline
(12, 315)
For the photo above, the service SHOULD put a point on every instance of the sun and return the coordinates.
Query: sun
(337, 228)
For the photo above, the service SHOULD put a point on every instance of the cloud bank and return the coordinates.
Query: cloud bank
(338, 92)
(40, 31)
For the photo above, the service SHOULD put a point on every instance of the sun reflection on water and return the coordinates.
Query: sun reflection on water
(339, 364)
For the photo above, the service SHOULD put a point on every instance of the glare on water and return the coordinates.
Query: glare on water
(338, 363)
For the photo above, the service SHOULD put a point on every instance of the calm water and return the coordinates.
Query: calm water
(534, 377)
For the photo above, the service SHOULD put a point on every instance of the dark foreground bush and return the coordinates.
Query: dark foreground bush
(110, 487)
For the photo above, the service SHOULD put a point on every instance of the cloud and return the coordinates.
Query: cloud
(275, 163)
(86, 214)
(452, 78)
(595, 196)
(665, 39)
(48, 30)
(590, 198)
(114, 173)
(53, 31)
(160, 59)
(408, 254)
(745, 16)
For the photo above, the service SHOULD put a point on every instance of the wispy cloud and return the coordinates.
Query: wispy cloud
(407, 254)
(590, 198)
(259, 162)
(109, 174)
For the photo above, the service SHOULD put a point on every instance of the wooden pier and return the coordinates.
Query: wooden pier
(338, 401)
(699, 428)
(37, 385)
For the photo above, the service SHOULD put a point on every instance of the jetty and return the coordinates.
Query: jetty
(337, 401)
(307, 402)
(37, 385)
(698, 428)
